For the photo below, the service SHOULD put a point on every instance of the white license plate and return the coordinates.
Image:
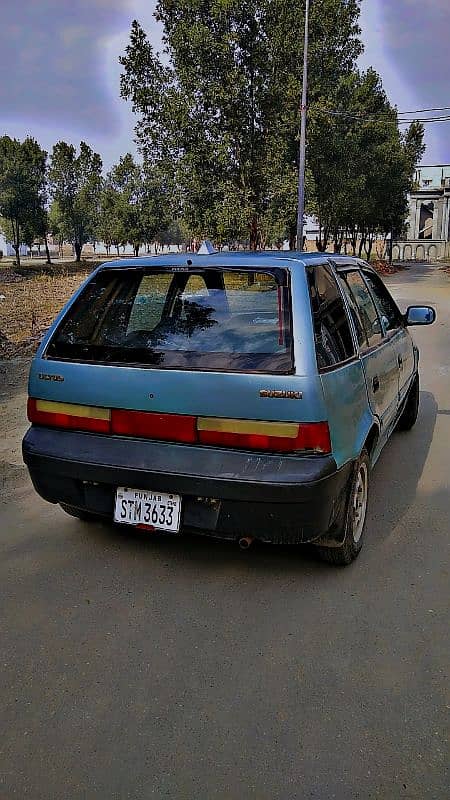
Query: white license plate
(152, 510)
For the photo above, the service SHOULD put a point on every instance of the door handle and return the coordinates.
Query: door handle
(375, 383)
(400, 362)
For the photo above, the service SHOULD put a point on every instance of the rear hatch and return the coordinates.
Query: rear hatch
(217, 343)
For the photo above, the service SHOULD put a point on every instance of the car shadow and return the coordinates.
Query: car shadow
(397, 473)
(393, 490)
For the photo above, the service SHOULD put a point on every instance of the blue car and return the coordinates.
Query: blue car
(239, 395)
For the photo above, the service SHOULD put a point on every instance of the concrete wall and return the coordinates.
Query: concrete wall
(420, 250)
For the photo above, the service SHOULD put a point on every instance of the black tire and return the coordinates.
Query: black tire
(77, 512)
(409, 414)
(355, 518)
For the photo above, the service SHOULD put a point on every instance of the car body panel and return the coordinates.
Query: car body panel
(215, 394)
(404, 350)
(381, 370)
(350, 419)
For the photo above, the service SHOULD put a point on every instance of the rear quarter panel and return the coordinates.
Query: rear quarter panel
(348, 411)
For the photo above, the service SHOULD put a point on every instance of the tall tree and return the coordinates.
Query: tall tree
(125, 184)
(75, 182)
(22, 186)
(362, 166)
(222, 116)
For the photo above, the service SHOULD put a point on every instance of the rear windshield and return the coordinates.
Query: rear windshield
(210, 319)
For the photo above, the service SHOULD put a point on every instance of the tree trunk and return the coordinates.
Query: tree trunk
(47, 251)
(17, 252)
(292, 238)
(369, 247)
(78, 248)
(254, 234)
(338, 237)
(362, 244)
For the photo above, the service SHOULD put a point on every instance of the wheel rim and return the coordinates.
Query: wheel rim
(359, 502)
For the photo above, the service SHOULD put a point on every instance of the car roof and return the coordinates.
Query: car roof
(234, 259)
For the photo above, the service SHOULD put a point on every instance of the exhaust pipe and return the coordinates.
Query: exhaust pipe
(245, 542)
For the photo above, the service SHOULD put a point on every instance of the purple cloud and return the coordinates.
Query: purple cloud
(52, 57)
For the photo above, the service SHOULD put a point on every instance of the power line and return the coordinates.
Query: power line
(374, 117)
(424, 121)
(422, 111)
(377, 115)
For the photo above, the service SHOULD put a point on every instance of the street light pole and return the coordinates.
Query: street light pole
(302, 148)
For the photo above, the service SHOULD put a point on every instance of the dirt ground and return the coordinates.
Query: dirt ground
(30, 299)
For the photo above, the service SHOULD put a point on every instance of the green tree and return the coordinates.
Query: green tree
(362, 166)
(22, 187)
(109, 229)
(75, 182)
(222, 117)
(126, 190)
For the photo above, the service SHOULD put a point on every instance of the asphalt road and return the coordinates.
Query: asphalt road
(138, 667)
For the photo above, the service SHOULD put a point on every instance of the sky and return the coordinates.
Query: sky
(60, 73)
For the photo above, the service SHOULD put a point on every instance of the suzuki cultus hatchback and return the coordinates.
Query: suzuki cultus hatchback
(241, 395)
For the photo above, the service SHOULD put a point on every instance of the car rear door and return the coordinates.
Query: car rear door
(377, 353)
(394, 329)
(203, 339)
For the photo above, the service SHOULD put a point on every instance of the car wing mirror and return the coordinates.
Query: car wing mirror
(420, 315)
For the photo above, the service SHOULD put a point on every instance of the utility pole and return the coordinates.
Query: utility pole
(302, 148)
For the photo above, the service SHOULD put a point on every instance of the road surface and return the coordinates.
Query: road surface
(138, 667)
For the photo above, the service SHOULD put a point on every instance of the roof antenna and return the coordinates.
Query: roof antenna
(206, 248)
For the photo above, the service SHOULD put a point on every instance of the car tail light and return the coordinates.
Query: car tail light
(149, 425)
(286, 437)
(69, 415)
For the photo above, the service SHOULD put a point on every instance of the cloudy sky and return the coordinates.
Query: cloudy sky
(60, 74)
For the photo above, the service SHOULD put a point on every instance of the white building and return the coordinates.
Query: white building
(428, 236)
(7, 249)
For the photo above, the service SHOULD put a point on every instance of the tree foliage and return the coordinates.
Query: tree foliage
(361, 165)
(22, 189)
(223, 115)
(133, 206)
(75, 182)
(219, 115)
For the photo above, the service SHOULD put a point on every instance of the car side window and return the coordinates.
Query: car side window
(332, 336)
(391, 318)
(366, 307)
(354, 312)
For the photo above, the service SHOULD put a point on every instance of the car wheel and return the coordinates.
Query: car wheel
(409, 414)
(77, 512)
(355, 517)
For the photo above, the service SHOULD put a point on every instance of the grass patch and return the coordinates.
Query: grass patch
(29, 302)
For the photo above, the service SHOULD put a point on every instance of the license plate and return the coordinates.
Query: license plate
(152, 510)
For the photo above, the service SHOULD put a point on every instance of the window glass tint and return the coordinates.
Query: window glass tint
(365, 304)
(354, 312)
(209, 319)
(332, 335)
(149, 301)
(390, 315)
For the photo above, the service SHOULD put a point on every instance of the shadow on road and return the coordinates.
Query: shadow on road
(398, 472)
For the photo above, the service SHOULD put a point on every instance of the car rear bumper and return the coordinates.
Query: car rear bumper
(226, 493)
